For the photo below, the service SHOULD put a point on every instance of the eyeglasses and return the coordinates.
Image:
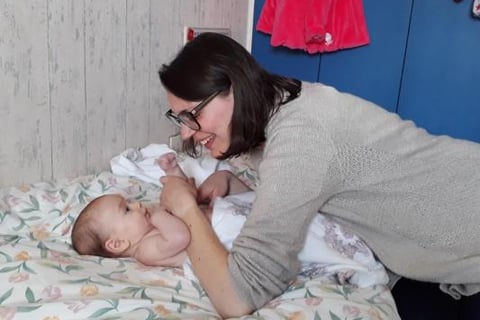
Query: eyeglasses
(189, 118)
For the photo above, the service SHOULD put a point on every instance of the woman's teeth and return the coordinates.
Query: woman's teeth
(206, 140)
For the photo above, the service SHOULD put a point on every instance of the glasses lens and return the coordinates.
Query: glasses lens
(189, 120)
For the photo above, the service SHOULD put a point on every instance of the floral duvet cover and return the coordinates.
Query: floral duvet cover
(42, 277)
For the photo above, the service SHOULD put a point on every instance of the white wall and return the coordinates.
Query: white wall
(79, 82)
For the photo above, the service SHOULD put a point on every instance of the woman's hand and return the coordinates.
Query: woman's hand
(179, 195)
(216, 185)
(220, 184)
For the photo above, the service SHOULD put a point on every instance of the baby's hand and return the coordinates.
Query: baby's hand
(167, 162)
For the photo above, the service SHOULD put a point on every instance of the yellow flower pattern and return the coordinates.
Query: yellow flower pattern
(22, 255)
(88, 290)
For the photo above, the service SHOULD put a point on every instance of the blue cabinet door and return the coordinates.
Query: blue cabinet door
(373, 71)
(441, 81)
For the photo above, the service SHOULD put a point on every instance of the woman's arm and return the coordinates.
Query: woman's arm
(210, 265)
(207, 254)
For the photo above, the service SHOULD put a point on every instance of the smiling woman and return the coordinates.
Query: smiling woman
(324, 151)
(199, 73)
(201, 124)
(189, 118)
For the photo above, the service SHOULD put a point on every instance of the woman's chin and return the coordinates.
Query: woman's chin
(216, 153)
(216, 150)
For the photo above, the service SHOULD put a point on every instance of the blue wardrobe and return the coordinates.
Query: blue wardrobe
(423, 62)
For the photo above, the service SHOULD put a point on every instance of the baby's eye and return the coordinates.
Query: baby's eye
(127, 207)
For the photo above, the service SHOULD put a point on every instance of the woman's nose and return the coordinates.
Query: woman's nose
(186, 132)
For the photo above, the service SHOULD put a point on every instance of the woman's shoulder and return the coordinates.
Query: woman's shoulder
(321, 105)
(326, 95)
(312, 97)
(315, 104)
(318, 88)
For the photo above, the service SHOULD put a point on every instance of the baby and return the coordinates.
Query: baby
(112, 226)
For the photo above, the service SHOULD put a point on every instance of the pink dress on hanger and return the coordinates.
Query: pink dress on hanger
(314, 25)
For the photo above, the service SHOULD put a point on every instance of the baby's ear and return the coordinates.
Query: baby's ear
(116, 246)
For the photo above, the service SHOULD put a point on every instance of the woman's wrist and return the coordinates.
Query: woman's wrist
(188, 208)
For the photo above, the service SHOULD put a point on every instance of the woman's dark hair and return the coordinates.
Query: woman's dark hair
(214, 62)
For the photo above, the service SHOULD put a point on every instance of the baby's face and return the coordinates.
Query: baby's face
(129, 219)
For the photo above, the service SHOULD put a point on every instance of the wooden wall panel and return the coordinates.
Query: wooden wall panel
(80, 82)
(105, 72)
(166, 40)
(25, 150)
(67, 86)
(138, 72)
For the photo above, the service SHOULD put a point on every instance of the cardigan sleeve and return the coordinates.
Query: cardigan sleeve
(295, 180)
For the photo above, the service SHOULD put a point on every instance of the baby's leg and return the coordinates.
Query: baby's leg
(168, 163)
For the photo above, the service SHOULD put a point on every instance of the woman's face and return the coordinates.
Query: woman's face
(214, 120)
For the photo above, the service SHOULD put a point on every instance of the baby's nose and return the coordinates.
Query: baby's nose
(142, 208)
(138, 207)
(147, 212)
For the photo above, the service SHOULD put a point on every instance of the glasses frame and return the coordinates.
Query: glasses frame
(189, 118)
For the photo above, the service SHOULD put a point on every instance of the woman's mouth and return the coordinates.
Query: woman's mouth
(207, 142)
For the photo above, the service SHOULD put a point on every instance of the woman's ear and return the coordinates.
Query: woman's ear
(116, 246)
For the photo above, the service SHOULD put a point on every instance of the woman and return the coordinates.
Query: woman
(413, 197)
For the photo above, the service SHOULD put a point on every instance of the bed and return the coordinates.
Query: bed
(44, 278)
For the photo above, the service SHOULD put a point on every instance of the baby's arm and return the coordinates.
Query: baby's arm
(166, 245)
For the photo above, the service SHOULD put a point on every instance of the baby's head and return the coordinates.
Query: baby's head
(109, 226)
